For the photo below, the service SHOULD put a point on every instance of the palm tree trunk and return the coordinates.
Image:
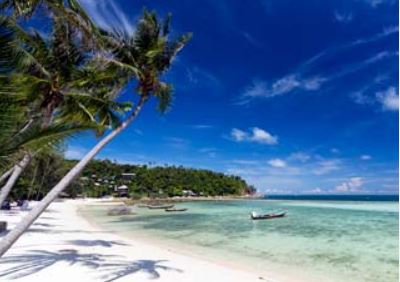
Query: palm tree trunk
(6, 174)
(17, 170)
(27, 221)
(32, 182)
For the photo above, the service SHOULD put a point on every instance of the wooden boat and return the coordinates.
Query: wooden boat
(176, 210)
(270, 215)
(161, 207)
(143, 206)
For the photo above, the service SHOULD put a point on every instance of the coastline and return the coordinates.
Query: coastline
(186, 251)
(263, 270)
(63, 242)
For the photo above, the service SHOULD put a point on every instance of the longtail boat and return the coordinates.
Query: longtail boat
(161, 207)
(176, 210)
(270, 215)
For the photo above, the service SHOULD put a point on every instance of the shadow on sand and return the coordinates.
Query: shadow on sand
(96, 243)
(111, 268)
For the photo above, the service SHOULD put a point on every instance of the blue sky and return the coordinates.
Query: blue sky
(294, 96)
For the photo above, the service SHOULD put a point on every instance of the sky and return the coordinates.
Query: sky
(296, 97)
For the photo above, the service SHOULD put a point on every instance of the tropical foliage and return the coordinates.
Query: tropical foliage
(102, 177)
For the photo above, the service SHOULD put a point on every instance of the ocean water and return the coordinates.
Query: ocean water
(318, 240)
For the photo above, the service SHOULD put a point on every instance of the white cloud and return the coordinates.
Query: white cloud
(389, 99)
(300, 156)
(335, 150)
(300, 80)
(316, 190)
(258, 88)
(376, 3)
(360, 97)
(75, 153)
(209, 151)
(365, 157)
(326, 166)
(108, 15)
(352, 185)
(245, 162)
(284, 85)
(281, 86)
(177, 143)
(238, 135)
(202, 126)
(277, 163)
(256, 135)
(198, 77)
(314, 83)
(343, 17)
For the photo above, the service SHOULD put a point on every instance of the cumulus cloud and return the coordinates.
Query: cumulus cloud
(256, 135)
(277, 163)
(352, 185)
(239, 135)
(389, 99)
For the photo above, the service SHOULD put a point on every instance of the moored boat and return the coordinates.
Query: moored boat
(176, 210)
(163, 207)
(270, 215)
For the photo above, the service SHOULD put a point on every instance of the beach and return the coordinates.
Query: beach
(319, 240)
(62, 246)
(75, 240)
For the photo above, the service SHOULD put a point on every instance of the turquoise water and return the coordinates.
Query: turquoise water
(317, 241)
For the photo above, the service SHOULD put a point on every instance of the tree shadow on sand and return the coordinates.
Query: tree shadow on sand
(112, 269)
(95, 243)
(149, 267)
(36, 260)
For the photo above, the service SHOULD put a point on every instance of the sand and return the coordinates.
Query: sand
(62, 246)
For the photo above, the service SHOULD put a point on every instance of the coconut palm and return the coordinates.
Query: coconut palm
(70, 10)
(151, 52)
(48, 76)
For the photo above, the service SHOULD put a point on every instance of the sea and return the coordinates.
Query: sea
(322, 238)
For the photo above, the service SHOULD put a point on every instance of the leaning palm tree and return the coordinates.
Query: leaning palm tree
(52, 76)
(71, 12)
(150, 52)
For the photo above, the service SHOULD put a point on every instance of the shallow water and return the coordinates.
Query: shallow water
(325, 240)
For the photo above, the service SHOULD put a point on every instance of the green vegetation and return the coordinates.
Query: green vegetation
(102, 177)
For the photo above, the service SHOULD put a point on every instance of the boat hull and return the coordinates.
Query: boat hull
(264, 217)
(161, 207)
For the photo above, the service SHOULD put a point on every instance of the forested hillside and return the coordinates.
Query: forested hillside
(103, 177)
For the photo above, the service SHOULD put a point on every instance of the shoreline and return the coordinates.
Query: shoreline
(63, 242)
(175, 248)
(271, 273)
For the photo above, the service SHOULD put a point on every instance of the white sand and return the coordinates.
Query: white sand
(62, 246)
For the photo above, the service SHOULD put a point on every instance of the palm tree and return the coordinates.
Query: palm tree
(151, 52)
(69, 10)
(49, 75)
